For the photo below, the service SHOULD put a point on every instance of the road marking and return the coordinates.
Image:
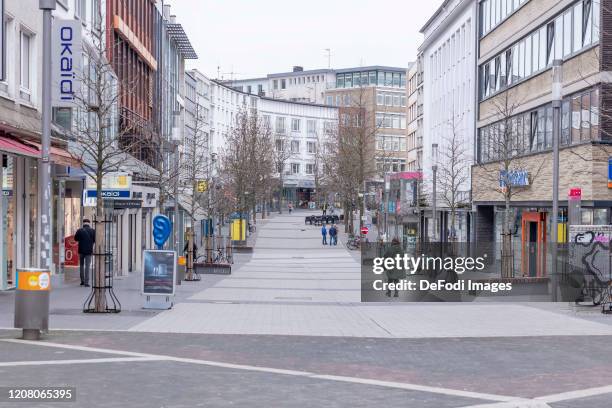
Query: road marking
(81, 361)
(570, 395)
(519, 403)
(270, 370)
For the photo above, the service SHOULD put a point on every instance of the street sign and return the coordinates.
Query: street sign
(66, 67)
(364, 230)
(202, 186)
(575, 194)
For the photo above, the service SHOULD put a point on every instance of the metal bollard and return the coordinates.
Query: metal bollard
(32, 301)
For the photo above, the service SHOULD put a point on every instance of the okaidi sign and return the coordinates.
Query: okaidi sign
(67, 60)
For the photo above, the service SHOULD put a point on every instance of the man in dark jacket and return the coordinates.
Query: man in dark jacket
(86, 237)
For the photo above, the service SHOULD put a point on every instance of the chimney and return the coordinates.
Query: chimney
(297, 68)
(173, 19)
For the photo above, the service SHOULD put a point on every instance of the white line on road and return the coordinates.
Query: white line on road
(81, 361)
(502, 401)
(570, 395)
(270, 370)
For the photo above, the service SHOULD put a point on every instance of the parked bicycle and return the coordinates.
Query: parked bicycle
(353, 242)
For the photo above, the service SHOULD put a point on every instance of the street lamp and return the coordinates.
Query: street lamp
(47, 6)
(557, 72)
(434, 170)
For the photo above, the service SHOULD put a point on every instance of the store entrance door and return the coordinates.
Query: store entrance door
(533, 240)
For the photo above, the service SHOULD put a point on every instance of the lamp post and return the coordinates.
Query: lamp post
(557, 73)
(434, 170)
(47, 6)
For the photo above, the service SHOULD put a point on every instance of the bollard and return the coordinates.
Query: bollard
(32, 301)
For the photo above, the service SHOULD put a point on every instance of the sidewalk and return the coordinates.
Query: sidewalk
(67, 298)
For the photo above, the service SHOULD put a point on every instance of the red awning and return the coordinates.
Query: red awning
(13, 146)
(58, 155)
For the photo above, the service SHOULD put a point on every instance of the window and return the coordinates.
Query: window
(340, 81)
(380, 99)
(283, 84)
(403, 102)
(311, 127)
(96, 16)
(280, 146)
(26, 62)
(532, 131)
(348, 80)
(295, 125)
(248, 88)
(396, 100)
(295, 146)
(311, 147)
(565, 119)
(567, 34)
(79, 9)
(275, 84)
(388, 100)
(373, 77)
(280, 124)
(310, 168)
(330, 100)
(295, 168)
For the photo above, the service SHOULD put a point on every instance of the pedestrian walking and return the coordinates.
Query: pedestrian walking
(333, 235)
(324, 208)
(290, 206)
(86, 237)
(324, 234)
(393, 273)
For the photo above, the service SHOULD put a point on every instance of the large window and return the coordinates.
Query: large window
(532, 131)
(311, 127)
(295, 146)
(493, 12)
(569, 33)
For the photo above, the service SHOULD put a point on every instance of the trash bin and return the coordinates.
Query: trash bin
(32, 301)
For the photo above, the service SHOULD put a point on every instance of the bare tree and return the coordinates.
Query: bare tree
(248, 161)
(282, 155)
(196, 175)
(356, 157)
(100, 144)
(502, 160)
(454, 168)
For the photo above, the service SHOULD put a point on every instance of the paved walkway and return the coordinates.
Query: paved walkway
(293, 285)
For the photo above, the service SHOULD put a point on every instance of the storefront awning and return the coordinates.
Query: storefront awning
(58, 155)
(13, 146)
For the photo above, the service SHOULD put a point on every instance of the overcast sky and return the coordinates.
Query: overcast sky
(256, 37)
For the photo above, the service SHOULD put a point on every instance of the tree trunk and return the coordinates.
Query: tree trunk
(99, 281)
(507, 256)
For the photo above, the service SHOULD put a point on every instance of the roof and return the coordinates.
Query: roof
(372, 68)
(296, 102)
(176, 32)
(435, 15)
(299, 73)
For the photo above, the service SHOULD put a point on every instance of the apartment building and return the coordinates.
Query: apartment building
(298, 85)
(300, 130)
(381, 93)
(449, 84)
(517, 47)
(414, 118)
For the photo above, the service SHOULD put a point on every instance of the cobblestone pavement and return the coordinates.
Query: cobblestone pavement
(286, 329)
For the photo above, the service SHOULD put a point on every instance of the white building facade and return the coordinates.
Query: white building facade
(449, 97)
(301, 130)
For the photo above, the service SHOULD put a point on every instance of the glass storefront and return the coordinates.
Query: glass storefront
(8, 219)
